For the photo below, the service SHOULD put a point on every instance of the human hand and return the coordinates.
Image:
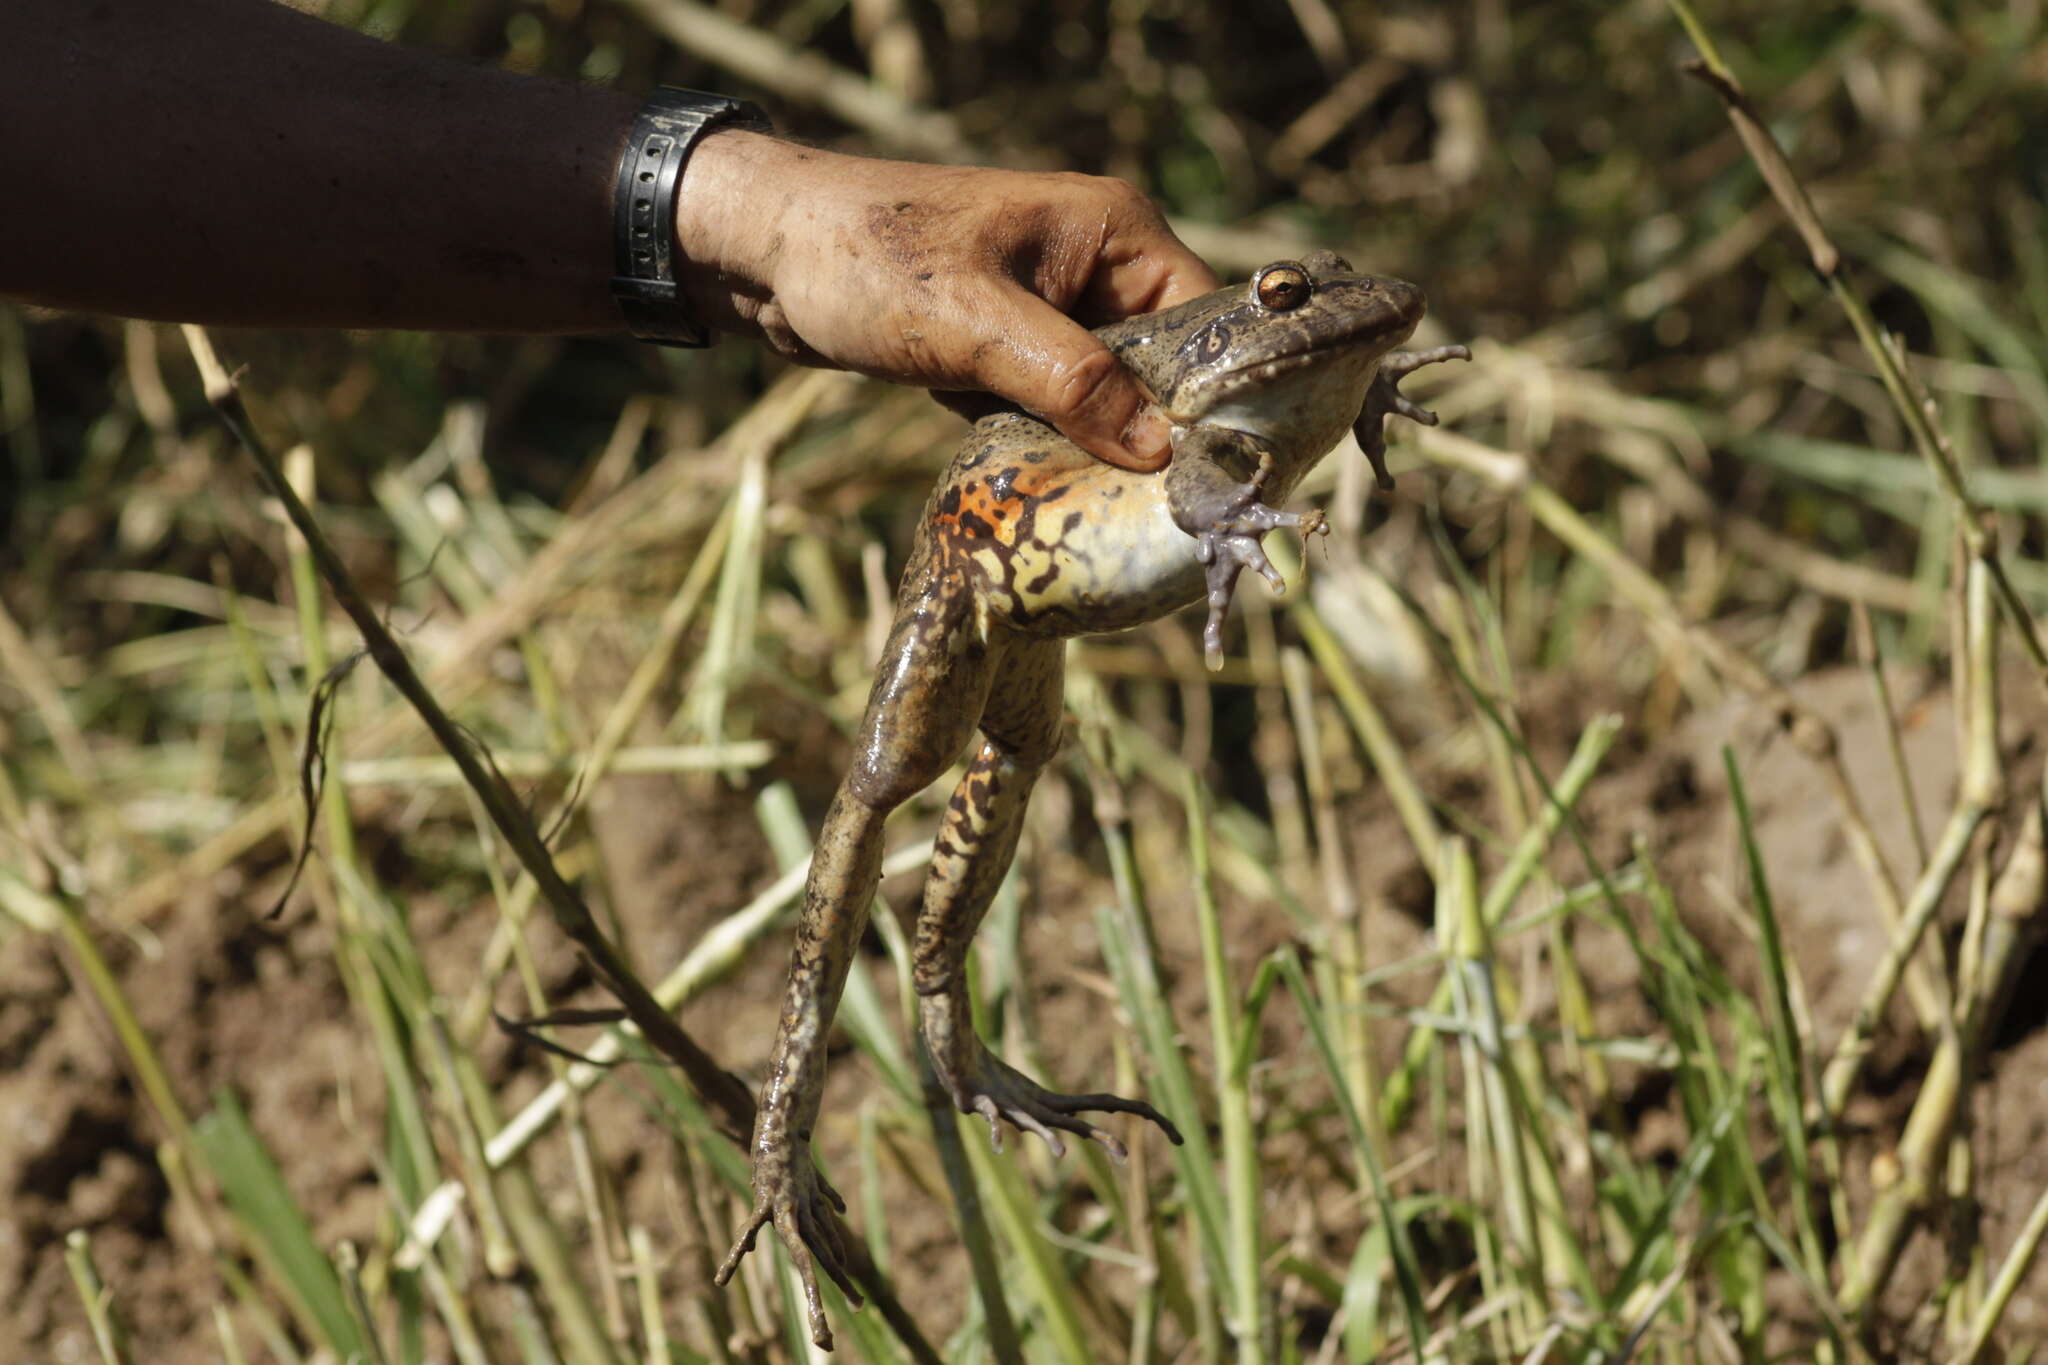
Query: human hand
(953, 278)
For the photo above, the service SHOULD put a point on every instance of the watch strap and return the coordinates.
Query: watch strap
(665, 131)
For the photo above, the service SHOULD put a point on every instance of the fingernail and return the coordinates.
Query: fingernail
(1149, 436)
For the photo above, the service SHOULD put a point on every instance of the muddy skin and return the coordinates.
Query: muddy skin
(1028, 540)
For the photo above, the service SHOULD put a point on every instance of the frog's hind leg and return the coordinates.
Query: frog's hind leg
(978, 838)
(929, 691)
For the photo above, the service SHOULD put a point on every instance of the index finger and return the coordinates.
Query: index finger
(1160, 277)
(1143, 267)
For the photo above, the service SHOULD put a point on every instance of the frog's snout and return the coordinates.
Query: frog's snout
(1405, 300)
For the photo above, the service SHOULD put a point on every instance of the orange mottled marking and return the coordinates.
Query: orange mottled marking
(994, 506)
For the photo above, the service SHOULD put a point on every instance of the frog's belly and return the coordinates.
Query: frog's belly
(1068, 550)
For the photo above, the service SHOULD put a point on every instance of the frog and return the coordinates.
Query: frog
(1025, 542)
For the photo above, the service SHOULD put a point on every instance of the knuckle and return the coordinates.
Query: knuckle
(787, 340)
(1127, 198)
(780, 333)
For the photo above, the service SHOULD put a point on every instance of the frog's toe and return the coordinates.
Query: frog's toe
(830, 1195)
(742, 1244)
(1404, 406)
(1252, 519)
(1026, 1122)
(800, 1205)
(1225, 552)
(1385, 399)
(1003, 1094)
(1221, 586)
(1399, 363)
(1101, 1102)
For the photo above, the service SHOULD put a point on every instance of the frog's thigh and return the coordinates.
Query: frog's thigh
(1027, 700)
(930, 689)
(978, 837)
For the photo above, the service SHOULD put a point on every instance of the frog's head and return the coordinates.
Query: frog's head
(1288, 356)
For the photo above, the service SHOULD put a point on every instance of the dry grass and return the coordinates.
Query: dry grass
(1701, 458)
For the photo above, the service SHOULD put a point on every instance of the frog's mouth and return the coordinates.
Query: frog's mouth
(1285, 396)
(1274, 367)
(1258, 373)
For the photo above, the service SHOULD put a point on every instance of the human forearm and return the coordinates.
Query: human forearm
(234, 161)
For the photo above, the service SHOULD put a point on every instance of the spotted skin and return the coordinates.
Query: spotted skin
(1025, 541)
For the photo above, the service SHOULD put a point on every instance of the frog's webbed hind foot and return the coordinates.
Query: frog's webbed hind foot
(805, 1209)
(1385, 399)
(1000, 1093)
(1230, 544)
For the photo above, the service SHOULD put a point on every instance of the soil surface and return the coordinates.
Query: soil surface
(235, 1001)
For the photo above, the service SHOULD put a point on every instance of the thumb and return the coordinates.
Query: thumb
(1059, 372)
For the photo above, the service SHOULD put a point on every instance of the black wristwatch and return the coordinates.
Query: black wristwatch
(667, 129)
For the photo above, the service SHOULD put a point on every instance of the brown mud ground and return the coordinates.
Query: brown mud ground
(233, 1001)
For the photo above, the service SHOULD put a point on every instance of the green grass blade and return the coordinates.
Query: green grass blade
(1407, 1267)
(1788, 1062)
(279, 1231)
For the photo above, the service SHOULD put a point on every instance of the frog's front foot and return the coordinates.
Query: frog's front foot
(1384, 398)
(789, 1192)
(981, 1083)
(1230, 545)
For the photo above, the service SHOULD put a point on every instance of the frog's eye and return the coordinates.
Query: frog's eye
(1282, 286)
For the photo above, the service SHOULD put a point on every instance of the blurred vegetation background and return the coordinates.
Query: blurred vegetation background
(1535, 990)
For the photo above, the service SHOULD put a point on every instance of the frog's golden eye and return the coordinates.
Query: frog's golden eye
(1281, 287)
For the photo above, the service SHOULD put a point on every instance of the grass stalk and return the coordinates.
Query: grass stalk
(1006, 1197)
(19, 657)
(1506, 887)
(1248, 1317)
(68, 920)
(1811, 733)
(1484, 1050)
(2018, 1261)
(728, 1097)
(729, 647)
(109, 1332)
(1975, 801)
(715, 952)
(224, 1332)
(428, 770)
(1127, 941)
(647, 1295)
(1003, 1341)
(1911, 403)
(1407, 1267)
(348, 1264)
(1782, 1031)
(1895, 748)
(1924, 1145)
(1371, 728)
(724, 1095)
